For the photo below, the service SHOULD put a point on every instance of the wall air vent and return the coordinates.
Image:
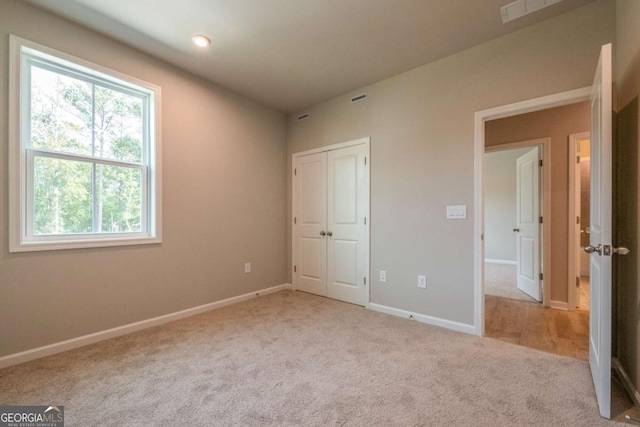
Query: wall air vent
(520, 8)
(358, 98)
(303, 116)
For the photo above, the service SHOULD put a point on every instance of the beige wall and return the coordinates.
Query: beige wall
(224, 203)
(626, 230)
(500, 210)
(421, 128)
(557, 124)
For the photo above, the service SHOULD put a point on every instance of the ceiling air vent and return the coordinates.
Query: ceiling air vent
(303, 116)
(358, 98)
(520, 8)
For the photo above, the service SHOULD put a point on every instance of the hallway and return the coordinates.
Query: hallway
(529, 324)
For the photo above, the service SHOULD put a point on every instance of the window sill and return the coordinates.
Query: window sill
(82, 244)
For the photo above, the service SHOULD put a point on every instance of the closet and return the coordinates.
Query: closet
(330, 222)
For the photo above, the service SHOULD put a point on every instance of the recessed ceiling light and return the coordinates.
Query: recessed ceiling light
(200, 40)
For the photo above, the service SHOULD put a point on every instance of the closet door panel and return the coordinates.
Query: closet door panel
(346, 212)
(310, 212)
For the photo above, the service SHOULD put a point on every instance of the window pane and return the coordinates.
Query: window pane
(118, 199)
(62, 196)
(61, 112)
(118, 125)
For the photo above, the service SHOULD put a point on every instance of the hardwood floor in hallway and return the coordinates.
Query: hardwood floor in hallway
(531, 325)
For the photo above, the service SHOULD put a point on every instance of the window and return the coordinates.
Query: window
(84, 153)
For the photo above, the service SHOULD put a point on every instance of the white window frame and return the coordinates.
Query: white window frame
(21, 154)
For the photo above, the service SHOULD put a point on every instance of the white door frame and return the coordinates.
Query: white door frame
(361, 141)
(544, 144)
(574, 138)
(537, 104)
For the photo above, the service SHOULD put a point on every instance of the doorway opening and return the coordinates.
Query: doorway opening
(579, 218)
(513, 199)
(545, 321)
(481, 118)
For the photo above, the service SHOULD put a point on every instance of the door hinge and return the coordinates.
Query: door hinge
(365, 220)
(540, 162)
(295, 171)
(365, 281)
(577, 282)
(295, 269)
(540, 220)
(295, 220)
(541, 276)
(577, 159)
(577, 220)
(365, 161)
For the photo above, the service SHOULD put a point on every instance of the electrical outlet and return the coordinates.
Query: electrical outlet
(383, 276)
(422, 282)
(247, 267)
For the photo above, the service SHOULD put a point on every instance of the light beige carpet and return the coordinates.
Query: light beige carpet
(293, 359)
(500, 280)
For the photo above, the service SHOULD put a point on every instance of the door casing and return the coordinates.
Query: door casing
(537, 104)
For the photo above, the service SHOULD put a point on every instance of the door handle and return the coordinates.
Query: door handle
(322, 233)
(517, 230)
(621, 250)
(329, 233)
(591, 249)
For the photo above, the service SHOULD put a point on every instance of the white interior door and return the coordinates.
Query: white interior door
(600, 236)
(310, 213)
(346, 222)
(528, 227)
(330, 233)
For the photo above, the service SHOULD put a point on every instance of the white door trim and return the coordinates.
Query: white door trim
(544, 144)
(573, 213)
(361, 141)
(542, 103)
(337, 146)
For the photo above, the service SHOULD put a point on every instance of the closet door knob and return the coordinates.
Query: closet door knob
(329, 233)
(322, 233)
(517, 230)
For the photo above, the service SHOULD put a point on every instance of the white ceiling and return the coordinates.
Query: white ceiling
(290, 54)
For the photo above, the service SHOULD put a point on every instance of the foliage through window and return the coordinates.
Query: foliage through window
(86, 152)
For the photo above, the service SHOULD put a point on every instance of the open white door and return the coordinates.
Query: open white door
(600, 237)
(528, 227)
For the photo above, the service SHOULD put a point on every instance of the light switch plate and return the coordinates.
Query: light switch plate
(457, 212)
(422, 281)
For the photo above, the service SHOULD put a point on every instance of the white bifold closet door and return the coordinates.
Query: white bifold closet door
(330, 231)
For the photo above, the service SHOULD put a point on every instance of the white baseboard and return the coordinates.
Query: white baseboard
(559, 305)
(500, 261)
(436, 321)
(628, 384)
(36, 353)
